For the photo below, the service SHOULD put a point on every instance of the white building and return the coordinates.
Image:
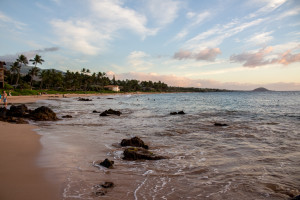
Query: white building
(114, 88)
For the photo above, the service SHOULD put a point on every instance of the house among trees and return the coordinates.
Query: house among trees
(2, 74)
(114, 88)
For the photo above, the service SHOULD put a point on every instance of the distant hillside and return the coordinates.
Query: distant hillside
(25, 69)
(260, 89)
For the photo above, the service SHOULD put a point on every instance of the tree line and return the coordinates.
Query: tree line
(84, 80)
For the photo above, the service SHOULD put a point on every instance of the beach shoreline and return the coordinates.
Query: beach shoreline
(34, 98)
(20, 149)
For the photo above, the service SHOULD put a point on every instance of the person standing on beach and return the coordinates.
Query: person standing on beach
(4, 98)
(0, 98)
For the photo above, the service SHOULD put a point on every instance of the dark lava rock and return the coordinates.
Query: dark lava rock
(103, 114)
(136, 153)
(84, 99)
(220, 124)
(108, 185)
(110, 112)
(95, 111)
(18, 111)
(173, 113)
(107, 163)
(99, 193)
(181, 113)
(296, 198)
(134, 142)
(67, 116)
(3, 112)
(43, 113)
(109, 98)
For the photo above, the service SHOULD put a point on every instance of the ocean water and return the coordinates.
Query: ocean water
(256, 157)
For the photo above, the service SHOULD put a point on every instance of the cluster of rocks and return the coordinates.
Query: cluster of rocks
(110, 112)
(17, 114)
(138, 150)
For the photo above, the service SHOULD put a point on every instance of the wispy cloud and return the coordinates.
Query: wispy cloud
(8, 21)
(270, 5)
(208, 54)
(265, 57)
(194, 20)
(260, 39)
(216, 35)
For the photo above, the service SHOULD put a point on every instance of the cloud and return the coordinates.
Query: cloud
(116, 16)
(179, 81)
(260, 38)
(270, 6)
(138, 60)
(208, 54)
(265, 57)
(8, 22)
(164, 12)
(81, 36)
(216, 35)
(28, 54)
(195, 19)
(93, 33)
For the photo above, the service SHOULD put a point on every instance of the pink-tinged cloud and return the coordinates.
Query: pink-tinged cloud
(208, 54)
(173, 80)
(260, 58)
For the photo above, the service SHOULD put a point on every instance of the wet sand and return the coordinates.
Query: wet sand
(20, 177)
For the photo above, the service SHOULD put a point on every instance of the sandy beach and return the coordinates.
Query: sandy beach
(20, 177)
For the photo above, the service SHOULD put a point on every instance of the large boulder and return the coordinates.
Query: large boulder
(18, 111)
(134, 142)
(137, 153)
(43, 113)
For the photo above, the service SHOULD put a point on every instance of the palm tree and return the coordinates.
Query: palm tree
(37, 60)
(42, 77)
(20, 60)
(33, 72)
(14, 68)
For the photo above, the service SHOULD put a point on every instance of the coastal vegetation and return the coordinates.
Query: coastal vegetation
(52, 81)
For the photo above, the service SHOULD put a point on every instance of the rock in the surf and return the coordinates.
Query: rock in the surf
(220, 124)
(107, 185)
(107, 163)
(67, 116)
(137, 153)
(43, 113)
(134, 142)
(84, 99)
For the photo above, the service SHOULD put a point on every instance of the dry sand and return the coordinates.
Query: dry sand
(20, 177)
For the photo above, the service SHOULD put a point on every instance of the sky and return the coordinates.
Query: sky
(226, 44)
